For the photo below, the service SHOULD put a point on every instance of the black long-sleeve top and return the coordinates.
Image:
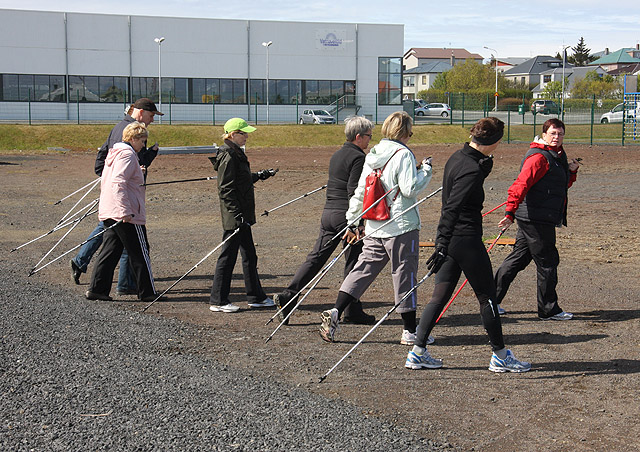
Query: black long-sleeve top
(345, 168)
(463, 194)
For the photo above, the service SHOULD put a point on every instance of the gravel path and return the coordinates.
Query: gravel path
(79, 375)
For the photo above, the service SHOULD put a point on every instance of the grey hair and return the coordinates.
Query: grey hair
(357, 125)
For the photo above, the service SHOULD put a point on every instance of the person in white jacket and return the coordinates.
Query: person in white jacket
(397, 242)
(122, 197)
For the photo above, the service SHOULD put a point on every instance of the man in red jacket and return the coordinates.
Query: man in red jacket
(538, 200)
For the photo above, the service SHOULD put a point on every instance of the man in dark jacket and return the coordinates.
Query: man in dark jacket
(143, 111)
(538, 200)
(237, 209)
(345, 168)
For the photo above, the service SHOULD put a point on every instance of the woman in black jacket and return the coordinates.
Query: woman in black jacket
(237, 209)
(459, 248)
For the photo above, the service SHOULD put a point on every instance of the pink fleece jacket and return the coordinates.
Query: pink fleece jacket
(121, 192)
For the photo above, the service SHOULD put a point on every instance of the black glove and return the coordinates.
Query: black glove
(437, 259)
(240, 223)
(266, 173)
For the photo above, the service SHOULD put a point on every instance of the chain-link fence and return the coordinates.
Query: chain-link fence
(608, 121)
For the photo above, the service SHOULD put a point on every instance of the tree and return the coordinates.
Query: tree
(553, 90)
(605, 87)
(581, 54)
(466, 77)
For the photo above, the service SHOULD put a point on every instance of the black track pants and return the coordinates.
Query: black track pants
(465, 254)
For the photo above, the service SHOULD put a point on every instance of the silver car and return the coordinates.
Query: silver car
(316, 117)
(434, 110)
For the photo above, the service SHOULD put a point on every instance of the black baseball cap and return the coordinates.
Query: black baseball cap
(147, 104)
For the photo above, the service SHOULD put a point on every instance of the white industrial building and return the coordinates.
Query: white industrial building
(65, 66)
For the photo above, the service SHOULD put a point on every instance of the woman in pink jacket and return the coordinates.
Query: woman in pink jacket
(122, 197)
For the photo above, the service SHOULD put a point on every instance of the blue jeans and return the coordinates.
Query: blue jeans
(126, 280)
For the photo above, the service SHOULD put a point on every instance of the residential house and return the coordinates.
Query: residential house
(504, 64)
(417, 56)
(529, 73)
(572, 75)
(420, 78)
(618, 60)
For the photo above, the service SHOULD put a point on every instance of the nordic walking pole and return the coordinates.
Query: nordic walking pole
(495, 208)
(384, 317)
(95, 203)
(178, 181)
(58, 227)
(192, 269)
(466, 280)
(93, 185)
(78, 190)
(75, 248)
(399, 214)
(321, 275)
(302, 290)
(267, 212)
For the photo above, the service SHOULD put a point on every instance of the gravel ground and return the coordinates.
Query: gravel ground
(80, 375)
(579, 395)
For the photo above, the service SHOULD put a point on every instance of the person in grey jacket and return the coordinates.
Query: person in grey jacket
(238, 212)
(397, 242)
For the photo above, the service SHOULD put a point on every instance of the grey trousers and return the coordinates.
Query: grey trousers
(402, 251)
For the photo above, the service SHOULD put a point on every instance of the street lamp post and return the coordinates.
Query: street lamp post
(159, 41)
(564, 58)
(495, 59)
(267, 45)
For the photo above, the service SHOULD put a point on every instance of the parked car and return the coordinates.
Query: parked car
(616, 113)
(417, 103)
(546, 107)
(316, 117)
(433, 110)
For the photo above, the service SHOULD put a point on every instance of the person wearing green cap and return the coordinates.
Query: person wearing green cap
(237, 209)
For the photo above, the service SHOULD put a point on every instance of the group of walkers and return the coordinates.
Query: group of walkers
(537, 200)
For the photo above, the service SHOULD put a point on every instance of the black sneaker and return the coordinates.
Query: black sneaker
(354, 314)
(281, 300)
(97, 296)
(75, 273)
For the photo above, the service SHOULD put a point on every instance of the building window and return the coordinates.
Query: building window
(389, 81)
(546, 78)
(409, 80)
(424, 80)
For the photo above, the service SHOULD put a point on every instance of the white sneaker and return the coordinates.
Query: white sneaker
(424, 361)
(509, 364)
(266, 303)
(410, 338)
(224, 308)
(559, 316)
(329, 326)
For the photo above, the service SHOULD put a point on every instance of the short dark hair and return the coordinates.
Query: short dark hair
(487, 131)
(555, 122)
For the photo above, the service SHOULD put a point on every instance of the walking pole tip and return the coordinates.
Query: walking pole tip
(265, 213)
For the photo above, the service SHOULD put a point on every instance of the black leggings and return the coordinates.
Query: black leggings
(465, 254)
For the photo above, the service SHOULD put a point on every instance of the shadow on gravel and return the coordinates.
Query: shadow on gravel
(619, 315)
(237, 276)
(574, 368)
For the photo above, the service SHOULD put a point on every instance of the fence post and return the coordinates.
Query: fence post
(29, 102)
(213, 109)
(524, 110)
(170, 104)
(534, 126)
(337, 109)
(297, 108)
(508, 125)
(463, 110)
(593, 106)
(78, 105)
(256, 107)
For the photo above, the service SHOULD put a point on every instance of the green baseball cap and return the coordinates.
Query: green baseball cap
(238, 124)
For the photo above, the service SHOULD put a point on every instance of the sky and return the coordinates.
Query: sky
(542, 27)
